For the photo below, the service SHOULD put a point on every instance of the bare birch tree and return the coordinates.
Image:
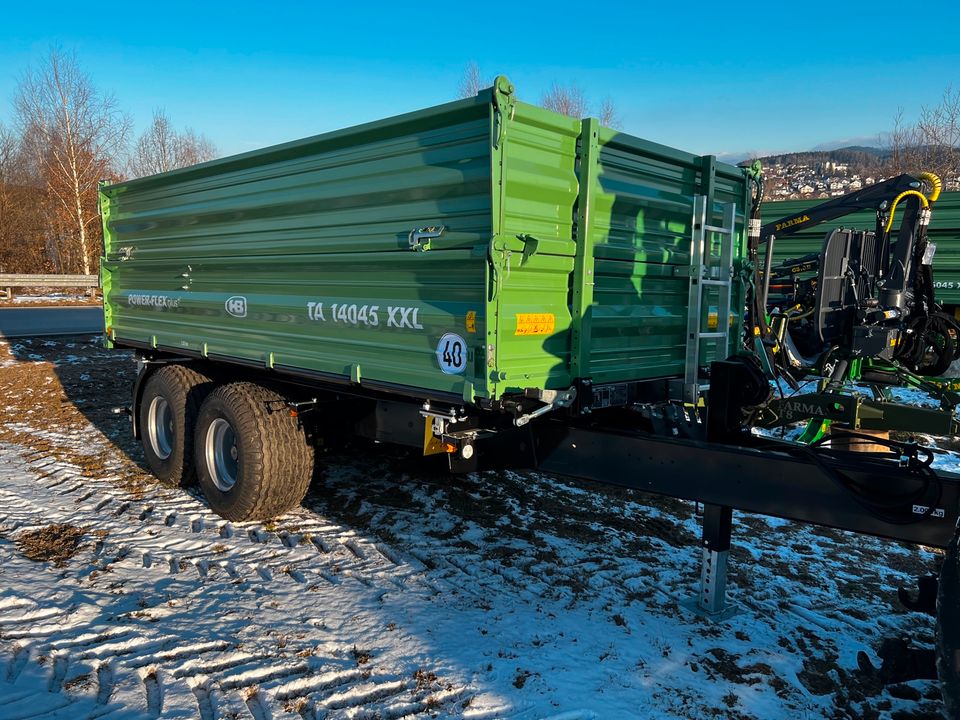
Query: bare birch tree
(902, 145)
(161, 148)
(938, 135)
(195, 148)
(8, 184)
(472, 81)
(23, 241)
(607, 114)
(570, 100)
(74, 134)
(932, 144)
(566, 100)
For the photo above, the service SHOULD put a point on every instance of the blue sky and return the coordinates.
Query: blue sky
(709, 79)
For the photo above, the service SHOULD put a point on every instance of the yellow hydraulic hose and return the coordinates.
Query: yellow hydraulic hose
(901, 196)
(935, 182)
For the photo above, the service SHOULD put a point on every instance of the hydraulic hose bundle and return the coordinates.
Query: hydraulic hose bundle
(930, 342)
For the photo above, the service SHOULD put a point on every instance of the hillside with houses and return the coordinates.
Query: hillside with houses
(825, 174)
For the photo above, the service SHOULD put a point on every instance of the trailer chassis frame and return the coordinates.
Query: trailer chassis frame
(766, 477)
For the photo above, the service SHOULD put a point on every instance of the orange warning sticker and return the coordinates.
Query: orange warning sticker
(472, 321)
(535, 323)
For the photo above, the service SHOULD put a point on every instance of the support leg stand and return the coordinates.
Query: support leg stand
(715, 548)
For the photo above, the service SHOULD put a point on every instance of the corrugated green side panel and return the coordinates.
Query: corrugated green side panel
(944, 230)
(298, 255)
(534, 253)
(641, 228)
(540, 183)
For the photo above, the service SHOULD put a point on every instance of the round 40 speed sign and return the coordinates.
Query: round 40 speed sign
(452, 354)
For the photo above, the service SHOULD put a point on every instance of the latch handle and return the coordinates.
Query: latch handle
(420, 238)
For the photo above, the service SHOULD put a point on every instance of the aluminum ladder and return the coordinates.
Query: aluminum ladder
(702, 275)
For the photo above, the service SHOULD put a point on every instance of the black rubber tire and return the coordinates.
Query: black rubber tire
(184, 389)
(274, 459)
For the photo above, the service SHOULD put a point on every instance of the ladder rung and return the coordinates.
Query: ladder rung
(702, 273)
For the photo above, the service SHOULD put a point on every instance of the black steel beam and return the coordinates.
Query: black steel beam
(948, 629)
(765, 480)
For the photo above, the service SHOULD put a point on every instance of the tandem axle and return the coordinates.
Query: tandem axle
(660, 448)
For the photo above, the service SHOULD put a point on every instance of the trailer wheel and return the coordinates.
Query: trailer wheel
(253, 460)
(168, 411)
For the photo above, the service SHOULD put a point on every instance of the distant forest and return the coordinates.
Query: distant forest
(857, 156)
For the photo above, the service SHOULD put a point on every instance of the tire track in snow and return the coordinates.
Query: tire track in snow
(18, 662)
(171, 535)
(353, 557)
(105, 678)
(153, 692)
(182, 555)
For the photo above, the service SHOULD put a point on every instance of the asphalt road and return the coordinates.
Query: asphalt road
(34, 321)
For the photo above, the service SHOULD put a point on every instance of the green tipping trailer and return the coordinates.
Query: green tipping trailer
(482, 279)
(482, 256)
(944, 231)
(474, 249)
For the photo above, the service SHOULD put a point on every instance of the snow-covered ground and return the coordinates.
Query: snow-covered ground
(397, 591)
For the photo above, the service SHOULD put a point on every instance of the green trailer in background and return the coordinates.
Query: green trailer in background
(944, 231)
(486, 256)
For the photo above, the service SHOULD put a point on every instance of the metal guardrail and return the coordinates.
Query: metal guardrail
(10, 281)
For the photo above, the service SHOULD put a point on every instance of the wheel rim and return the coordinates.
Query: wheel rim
(160, 427)
(220, 450)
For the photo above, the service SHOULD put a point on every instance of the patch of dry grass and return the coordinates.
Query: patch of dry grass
(57, 543)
